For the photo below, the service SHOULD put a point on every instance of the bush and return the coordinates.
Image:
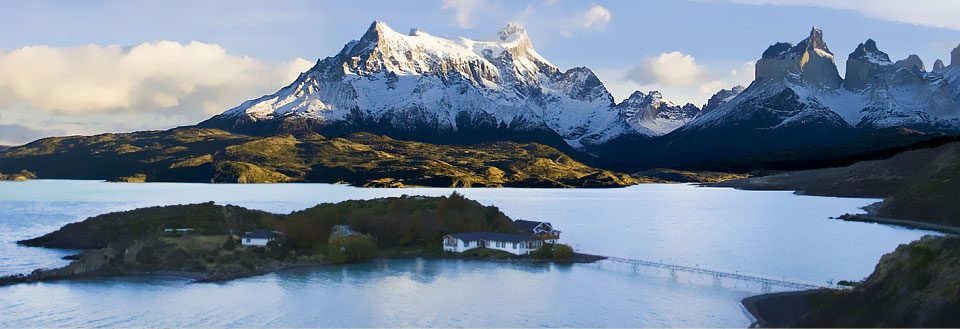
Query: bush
(562, 252)
(353, 248)
(277, 249)
(231, 244)
(544, 252)
(551, 251)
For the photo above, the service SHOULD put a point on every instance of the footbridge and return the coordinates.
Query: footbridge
(764, 281)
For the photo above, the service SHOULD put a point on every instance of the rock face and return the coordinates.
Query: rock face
(424, 87)
(938, 66)
(721, 97)
(809, 62)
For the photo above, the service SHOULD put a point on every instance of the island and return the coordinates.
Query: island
(210, 242)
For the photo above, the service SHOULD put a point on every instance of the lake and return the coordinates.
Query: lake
(773, 233)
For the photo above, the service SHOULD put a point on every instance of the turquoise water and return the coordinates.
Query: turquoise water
(776, 234)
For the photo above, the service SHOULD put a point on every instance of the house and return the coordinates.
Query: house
(258, 237)
(540, 230)
(517, 244)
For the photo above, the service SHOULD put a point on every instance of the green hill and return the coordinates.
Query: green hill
(361, 159)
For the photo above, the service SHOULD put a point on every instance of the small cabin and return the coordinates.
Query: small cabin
(540, 230)
(517, 244)
(259, 238)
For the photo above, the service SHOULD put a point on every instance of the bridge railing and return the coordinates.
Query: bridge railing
(762, 279)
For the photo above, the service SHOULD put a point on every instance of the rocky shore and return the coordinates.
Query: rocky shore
(918, 285)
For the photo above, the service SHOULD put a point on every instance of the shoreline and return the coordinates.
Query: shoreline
(780, 309)
(201, 277)
(866, 218)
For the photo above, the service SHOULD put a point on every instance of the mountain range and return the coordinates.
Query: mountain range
(417, 86)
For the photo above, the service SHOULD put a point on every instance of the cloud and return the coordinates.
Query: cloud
(464, 10)
(935, 13)
(679, 77)
(597, 17)
(157, 77)
(669, 69)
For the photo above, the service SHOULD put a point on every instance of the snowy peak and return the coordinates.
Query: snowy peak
(651, 115)
(868, 52)
(810, 62)
(512, 31)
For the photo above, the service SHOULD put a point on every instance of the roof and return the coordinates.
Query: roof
(526, 225)
(492, 236)
(261, 234)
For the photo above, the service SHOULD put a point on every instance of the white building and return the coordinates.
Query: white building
(258, 237)
(517, 244)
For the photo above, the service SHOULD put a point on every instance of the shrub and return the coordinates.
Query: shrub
(230, 244)
(551, 251)
(544, 252)
(353, 248)
(562, 252)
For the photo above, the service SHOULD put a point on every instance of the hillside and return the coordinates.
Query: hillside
(921, 185)
(916, 286)
(211, 155)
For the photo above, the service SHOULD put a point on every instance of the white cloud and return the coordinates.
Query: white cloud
(679, 77)
(936, 13)
(669, 69)
(597, 17)
(159, 77)
(464, 10)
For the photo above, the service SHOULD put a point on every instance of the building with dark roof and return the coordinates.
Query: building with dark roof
(259, 237)
(540, 230)
(517, 244)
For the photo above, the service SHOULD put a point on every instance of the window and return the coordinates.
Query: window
(514, 245)
(248, 240)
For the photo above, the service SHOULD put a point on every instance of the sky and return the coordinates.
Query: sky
(87, 67)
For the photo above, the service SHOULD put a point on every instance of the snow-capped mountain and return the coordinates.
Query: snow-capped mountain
(651, 115)
(875, 93)
(798, 100)
(425, 87)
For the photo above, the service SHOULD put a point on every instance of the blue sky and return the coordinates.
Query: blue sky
(196, 58)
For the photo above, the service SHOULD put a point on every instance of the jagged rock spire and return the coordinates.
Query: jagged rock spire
(938, 66)
(810, 59)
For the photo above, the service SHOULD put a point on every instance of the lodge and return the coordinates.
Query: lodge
(258, 238)
(534, 235)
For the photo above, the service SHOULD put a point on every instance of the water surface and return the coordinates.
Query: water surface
(776, 234)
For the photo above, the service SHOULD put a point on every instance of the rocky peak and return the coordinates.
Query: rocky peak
(868, 52)
(938, 66)
(912, 61)
(512, 31)
(809, 62)
(721, 97)
(814, 41)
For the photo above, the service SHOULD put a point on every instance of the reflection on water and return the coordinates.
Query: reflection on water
(771, 233)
